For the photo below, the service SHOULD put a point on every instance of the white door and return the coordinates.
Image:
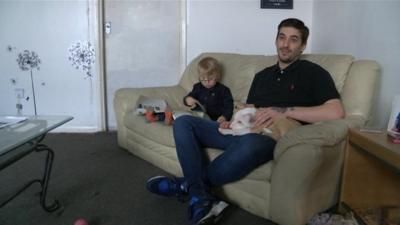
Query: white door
(142, 46)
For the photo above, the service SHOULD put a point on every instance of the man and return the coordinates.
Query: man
(292, 88)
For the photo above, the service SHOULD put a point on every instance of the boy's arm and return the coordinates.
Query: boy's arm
(227, 110)
(193, 94)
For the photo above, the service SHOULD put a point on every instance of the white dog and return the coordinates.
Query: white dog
(243, 123)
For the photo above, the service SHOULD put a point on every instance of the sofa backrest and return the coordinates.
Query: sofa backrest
(355, 80)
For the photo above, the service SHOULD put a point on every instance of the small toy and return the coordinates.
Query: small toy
(81, 222)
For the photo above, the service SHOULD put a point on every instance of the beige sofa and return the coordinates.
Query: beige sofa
(303, 178)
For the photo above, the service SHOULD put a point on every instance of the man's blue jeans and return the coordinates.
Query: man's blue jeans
(241, 154)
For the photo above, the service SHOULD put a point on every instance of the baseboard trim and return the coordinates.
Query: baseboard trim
(76, 129)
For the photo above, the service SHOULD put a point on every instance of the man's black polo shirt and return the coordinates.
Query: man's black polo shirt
(302, 83)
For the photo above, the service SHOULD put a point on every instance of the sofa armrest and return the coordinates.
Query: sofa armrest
(327, 133)
(306, 172)
(125, 100)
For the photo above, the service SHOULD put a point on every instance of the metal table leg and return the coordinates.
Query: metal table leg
(35, 146)
(46, 177)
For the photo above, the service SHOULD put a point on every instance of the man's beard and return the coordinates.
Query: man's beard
(286, 60)
(290, 57)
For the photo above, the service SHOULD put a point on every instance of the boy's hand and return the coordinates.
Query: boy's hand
(221, 119)
(224, 125)
(190, 101)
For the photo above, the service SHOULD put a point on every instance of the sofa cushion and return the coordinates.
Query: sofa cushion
(157, 131)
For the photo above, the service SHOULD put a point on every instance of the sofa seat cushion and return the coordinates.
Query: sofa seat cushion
(157, 131)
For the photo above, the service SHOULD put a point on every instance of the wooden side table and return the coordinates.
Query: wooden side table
(371, 172)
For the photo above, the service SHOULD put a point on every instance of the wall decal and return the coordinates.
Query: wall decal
(82, 56)
(13, 81)
(29, 60)
(11, 48)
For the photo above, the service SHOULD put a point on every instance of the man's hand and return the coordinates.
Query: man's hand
(264, 116)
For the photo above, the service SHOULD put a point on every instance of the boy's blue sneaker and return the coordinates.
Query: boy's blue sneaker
(168, 186)
(205, 210)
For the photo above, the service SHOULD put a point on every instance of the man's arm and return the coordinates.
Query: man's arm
(330, 110)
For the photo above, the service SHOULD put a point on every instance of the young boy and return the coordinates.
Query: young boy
(209, 92)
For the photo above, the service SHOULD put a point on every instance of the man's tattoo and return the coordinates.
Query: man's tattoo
(282, 109)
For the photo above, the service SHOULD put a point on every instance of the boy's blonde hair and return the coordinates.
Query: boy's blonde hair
(209, 67)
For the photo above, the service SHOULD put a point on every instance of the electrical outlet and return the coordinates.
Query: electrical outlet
(19, 93)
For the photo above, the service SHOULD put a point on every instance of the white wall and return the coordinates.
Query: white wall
(366, 30)
(238, 26)
(49, 28)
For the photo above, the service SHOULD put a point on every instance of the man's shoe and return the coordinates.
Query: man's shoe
(205, 211)
(168, 186)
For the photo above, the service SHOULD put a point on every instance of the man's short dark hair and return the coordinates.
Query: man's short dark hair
(297, 24)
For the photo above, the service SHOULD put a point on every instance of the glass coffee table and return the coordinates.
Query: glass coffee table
(23, 138)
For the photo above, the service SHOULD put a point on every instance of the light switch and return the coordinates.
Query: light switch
(107, 27)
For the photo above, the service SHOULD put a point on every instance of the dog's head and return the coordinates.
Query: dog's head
(243, 118)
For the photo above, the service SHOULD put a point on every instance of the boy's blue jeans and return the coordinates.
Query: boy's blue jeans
(241, 154)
